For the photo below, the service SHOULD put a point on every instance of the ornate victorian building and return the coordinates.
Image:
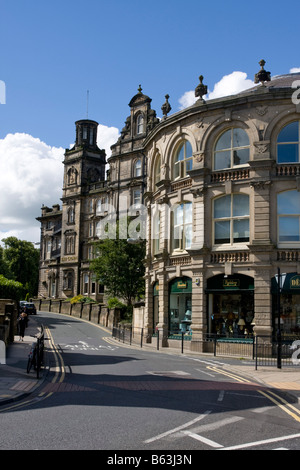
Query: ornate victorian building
(221, 184)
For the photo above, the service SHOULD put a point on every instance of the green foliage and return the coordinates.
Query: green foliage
(19, 261)
(10, 289)
(120, 268)
(81, 299)
(113, 302)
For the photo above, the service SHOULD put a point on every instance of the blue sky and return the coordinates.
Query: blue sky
(52, 52)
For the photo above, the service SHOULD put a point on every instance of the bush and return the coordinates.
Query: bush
(11, 289)
(113, 302)
(81, 299)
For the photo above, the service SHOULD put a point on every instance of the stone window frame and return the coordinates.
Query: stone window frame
(231, 219)
(180, 244)
(230, 149)
(294, 215)
(288, 142)
(182, 163)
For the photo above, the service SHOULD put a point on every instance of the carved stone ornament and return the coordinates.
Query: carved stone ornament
(261, 110)
(261, 147)
(262, 76)
(201, 90)
(199, 157)
(166, 107)
(260, 184)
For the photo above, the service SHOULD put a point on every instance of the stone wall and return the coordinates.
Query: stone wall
(95, 313)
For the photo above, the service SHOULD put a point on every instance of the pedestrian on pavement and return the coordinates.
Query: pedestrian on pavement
(22, 322)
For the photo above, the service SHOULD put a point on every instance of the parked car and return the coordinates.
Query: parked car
(29, 308)
(22, 304)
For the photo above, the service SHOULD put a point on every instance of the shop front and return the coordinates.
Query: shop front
(180, 306)
(289, 304)
(230, 306)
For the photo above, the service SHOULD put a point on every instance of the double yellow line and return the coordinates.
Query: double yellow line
(60, 371)
(273, 397)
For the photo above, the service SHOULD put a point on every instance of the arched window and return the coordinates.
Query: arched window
(156, 175)
(140, 124)
(232, 149)
(138, 168)
(288, 213)
(156, 232)
(182, 226)
(183, 161)
(231, 219)
(288, 144)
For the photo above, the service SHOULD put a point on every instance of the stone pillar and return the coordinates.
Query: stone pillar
(163, 315)
(198, 308)
(148, 314)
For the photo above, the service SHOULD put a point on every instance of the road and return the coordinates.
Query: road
(102, 395)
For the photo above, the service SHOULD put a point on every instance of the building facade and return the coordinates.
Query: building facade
(220, 183)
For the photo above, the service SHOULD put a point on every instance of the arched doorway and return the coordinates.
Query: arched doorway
(180, 305)
(230, 305)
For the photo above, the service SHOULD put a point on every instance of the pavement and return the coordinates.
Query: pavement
(16, 383)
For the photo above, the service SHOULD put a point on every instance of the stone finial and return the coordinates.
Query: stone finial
(140, 89)
(262, 76)
(166, 107)
(201, 90)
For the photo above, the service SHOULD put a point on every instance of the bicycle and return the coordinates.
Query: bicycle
(36, 354)
(32, 357)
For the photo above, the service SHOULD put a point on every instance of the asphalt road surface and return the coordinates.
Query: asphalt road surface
(102, 395)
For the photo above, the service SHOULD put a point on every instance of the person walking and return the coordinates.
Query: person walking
(22, 321)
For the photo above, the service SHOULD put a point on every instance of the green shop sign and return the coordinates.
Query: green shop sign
(181, 285)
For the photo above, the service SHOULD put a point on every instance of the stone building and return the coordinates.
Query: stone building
(89, 201)
(224, 190)
(220, 182)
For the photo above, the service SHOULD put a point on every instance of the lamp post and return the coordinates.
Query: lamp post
(280, 281)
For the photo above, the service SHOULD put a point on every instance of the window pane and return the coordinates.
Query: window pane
(241, 156)
(188, 216)
(180, 153)
(178, 215)
(240, 231)
(288, 153)
(222, 160)
(222, 207)
(224, 141)
(240, 205)
(240, 138)
(188, 165)
(176, 170)
(288, 202)
(289, 133)
(188, 236)
(188, 149)
(289, 229)
(222, 232)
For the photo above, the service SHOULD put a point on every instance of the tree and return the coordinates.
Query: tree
(120, 268)
(21, 262)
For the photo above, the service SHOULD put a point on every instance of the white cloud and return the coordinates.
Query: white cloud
(107, 136)
(31, 174)
(231, 84)
(295, 70)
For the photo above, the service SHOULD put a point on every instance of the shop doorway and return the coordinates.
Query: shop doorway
(180, 306)
(230, 306)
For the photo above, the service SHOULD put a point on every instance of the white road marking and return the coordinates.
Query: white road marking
(203, 439)
(179, 428)
(266, 441)
(204, 372)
